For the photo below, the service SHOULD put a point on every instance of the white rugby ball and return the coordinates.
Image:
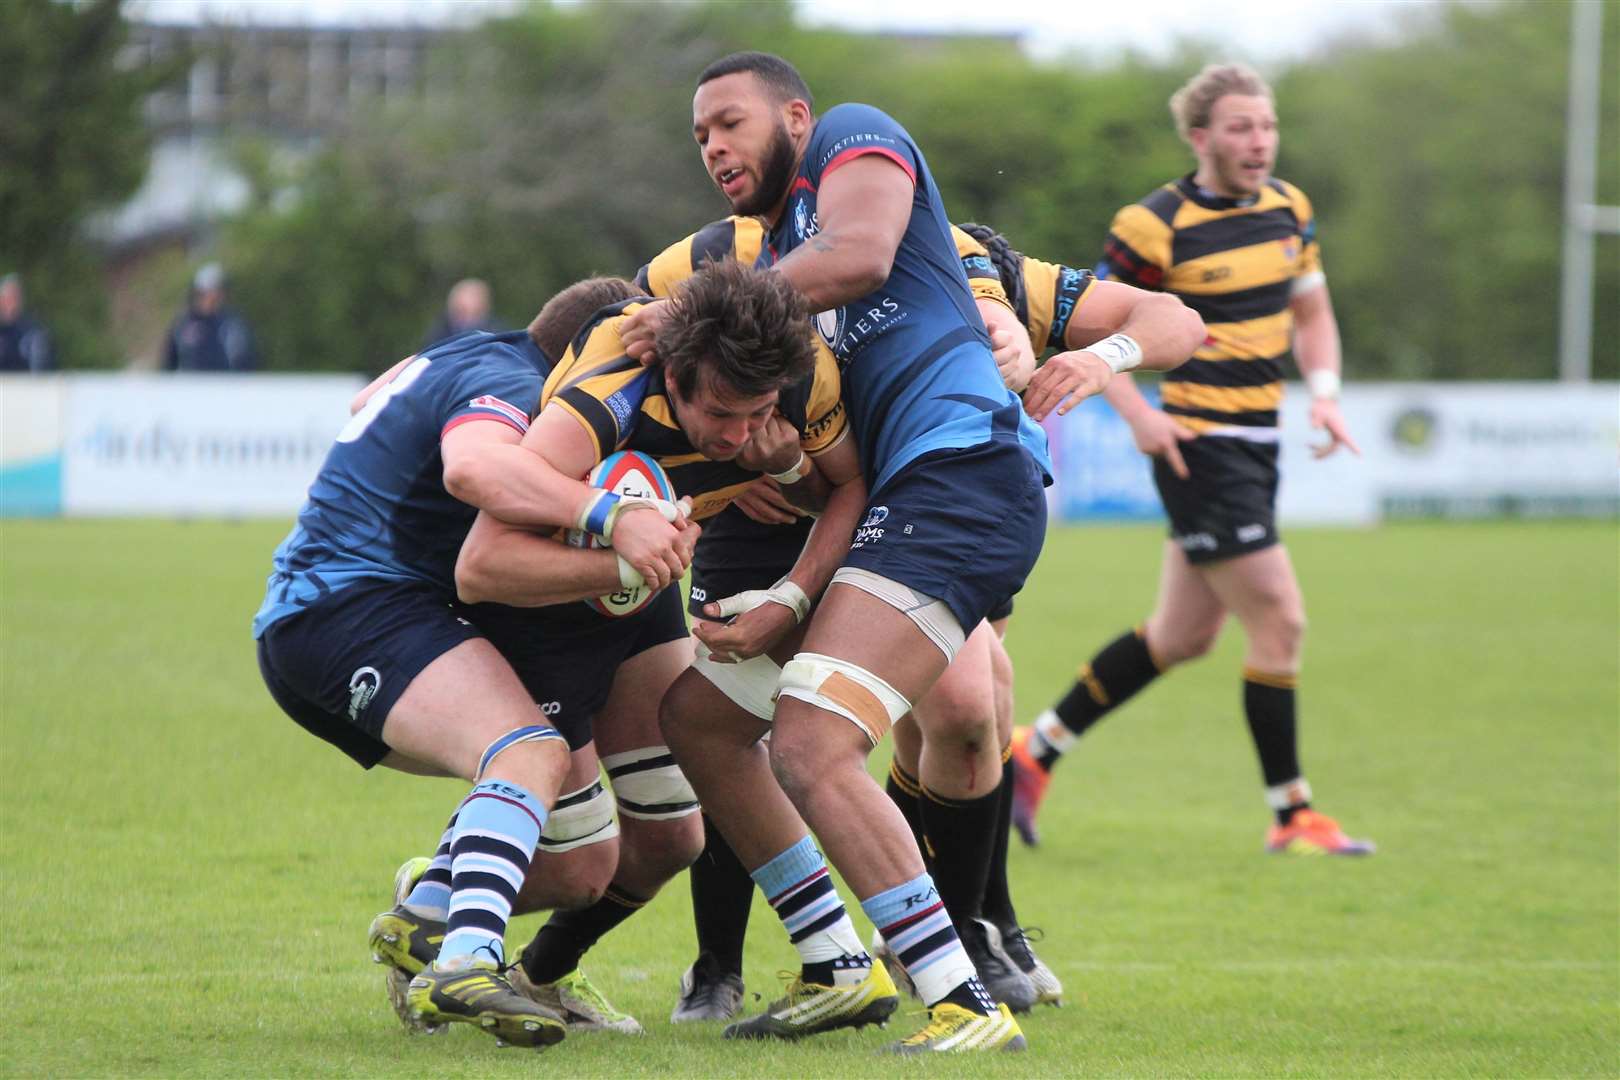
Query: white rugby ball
(627, 472)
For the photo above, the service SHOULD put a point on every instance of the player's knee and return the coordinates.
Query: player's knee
(676, 720)
(654, 852)
(965, 720)
(795, 760)
(1170, 646)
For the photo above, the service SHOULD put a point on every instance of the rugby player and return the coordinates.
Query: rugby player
(359, 641)
(740, 391)
(1239, 246)
(955, 470)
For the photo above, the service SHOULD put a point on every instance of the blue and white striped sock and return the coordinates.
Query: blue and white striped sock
(497, 827)
(430, 897)
(797, 884)
(913, 920)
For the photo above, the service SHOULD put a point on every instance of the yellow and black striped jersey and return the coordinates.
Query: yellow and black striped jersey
(625, 406)
(1047, 297)
(740, 238)
(1235, 262)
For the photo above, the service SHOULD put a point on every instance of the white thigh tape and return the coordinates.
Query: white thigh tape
(649, 785)
(933, 617)
(843, 688)
(750, 684)
(581, 817)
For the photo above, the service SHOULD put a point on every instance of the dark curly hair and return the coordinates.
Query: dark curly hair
(739, 330)
(1009, 262)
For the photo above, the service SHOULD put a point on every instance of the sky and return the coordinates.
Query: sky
(1255, 30)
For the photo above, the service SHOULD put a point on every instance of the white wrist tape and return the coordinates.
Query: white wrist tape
(1323, 383)
(800, 470)
(1119, 351)
(603, 510)
(629, 576)
(784, 592)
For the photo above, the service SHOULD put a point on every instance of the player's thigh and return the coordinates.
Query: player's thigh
(1260, 588)
(961, 707)
(628, 720)
(1188, 612)
(456, 706)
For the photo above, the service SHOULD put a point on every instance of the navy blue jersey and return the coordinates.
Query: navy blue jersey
(378, 508)
(918, 375)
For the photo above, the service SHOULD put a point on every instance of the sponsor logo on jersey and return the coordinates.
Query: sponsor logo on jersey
(363, 686)
(620, 407)
(1247, 534)
(846, 329)
(875, 516)
(1199, 541)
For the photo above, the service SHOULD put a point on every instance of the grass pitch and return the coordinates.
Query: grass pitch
(188, 877)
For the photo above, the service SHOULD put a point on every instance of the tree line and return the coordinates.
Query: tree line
(563, 148)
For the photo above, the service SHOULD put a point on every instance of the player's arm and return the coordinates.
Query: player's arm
(1155, 431)
(1317, 351)
(864, 207)
(1009, 343)
(1116, 328)
(511, 565)
(766, 616)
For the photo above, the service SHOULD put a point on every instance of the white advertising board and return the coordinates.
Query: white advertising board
(198, 444)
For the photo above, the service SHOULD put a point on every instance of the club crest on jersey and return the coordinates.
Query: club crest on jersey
(805, 221)
(1290, 249)
(506, 409)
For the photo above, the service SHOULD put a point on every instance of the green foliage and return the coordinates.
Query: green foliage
(563, 150)
(72, 141)
(190, 874)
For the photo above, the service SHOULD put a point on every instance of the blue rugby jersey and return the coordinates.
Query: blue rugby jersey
(918, 375)
(378, 508)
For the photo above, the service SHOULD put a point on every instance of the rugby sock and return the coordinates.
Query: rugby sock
(1113, 677)
(962, 836)
(1269, 705)
(559, 944)
(797, 884)
(430, 897)
(722, 893)
(905, 791)
(913, 920)
(497, 827)
(998, 905)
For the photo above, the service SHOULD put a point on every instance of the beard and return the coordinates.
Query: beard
(777, 173)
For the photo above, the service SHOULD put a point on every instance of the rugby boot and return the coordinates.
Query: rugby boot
(580, 1004)
(469, 991)
(1001, 977)
(405, 943)
(1014, 941)
(707, 993)
(952, 1029)
(897, 971)
(1030, 781)
(811, 1008)
(1310, 833)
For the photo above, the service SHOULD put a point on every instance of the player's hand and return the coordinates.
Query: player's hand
(1065, 381)
(1158, 435)
(639, 332)
(1325, 416)
(658, 550)
(1015, 359)
(774, 448)
(764, 502)
(753, 633)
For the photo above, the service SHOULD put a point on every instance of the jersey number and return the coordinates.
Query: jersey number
(361, 420)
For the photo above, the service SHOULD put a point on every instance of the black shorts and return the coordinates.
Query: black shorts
(568, 655)
(962, 526)
(338, 666)
(1002, 610)
(1228, 505)
(737, 553)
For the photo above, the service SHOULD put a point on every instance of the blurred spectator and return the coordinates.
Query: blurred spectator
(465, 308)
(209, 336)
(25, 345)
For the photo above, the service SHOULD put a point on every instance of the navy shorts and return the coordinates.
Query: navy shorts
(1227, 506)
(338, 666)
(567, 654)
(963, 526)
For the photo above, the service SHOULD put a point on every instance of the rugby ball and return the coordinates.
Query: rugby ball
(627, 472)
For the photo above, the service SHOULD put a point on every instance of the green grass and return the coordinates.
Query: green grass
(187, 876)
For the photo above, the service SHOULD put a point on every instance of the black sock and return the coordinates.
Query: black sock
(1269, 704)
(557, 948)
(1123, 667)
(906, 793)
(722, 894)
(998, 905)
(962, 834)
